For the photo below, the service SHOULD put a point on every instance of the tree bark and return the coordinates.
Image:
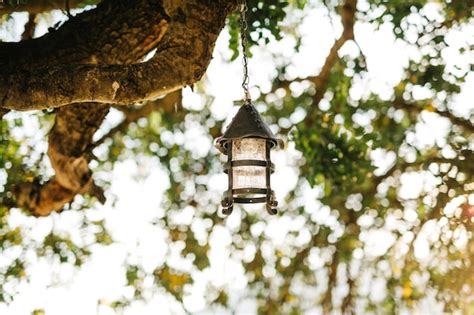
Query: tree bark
(81, 69)
(116, 32)
(95, 75)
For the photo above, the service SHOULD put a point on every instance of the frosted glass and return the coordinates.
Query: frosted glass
(249, 176)
(248, 149)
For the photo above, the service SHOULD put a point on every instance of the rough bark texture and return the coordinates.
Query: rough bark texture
(183, 56)
(85, 69)
(116, 32)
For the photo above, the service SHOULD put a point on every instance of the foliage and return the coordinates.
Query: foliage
(354, 156)
(263, 19)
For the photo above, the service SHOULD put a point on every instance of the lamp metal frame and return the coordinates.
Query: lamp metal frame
(248, 124)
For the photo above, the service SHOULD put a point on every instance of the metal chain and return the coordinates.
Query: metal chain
(243, 38)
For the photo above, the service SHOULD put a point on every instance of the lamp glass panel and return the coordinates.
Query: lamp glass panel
(249, 176)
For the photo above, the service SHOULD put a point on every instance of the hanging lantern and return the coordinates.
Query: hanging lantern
(247, 142)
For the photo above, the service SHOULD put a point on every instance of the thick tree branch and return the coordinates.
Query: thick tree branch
(108, 84)
(184, 36)
(181, 60)
(76, 124)
(116, 32)
(73, 130)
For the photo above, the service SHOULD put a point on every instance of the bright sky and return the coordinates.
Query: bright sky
(59, 289)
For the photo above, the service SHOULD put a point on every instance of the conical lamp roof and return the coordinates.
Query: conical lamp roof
(247, 123)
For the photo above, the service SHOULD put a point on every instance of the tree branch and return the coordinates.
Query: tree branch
(320, 81)
(455, 120)
(107, 84)
(348, 11)
(68, 141)
(182, 57)
(118, 32)
(184, 40)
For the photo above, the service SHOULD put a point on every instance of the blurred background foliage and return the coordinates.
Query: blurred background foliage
(353, 156)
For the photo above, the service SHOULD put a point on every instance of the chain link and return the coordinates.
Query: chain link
(243, 38)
